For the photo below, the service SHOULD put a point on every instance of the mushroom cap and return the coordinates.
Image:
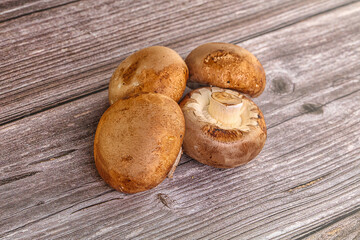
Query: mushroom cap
(226, 65)
(212, 143)
(154, 69)
(137, 141)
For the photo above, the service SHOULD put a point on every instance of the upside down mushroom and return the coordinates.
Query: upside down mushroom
(224, 129)
(138, 142)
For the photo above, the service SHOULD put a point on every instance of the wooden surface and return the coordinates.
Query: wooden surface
(56, 60)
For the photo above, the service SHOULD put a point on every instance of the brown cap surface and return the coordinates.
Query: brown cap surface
(137, 141)
(154, 69)
(226, 65)
(213, 144)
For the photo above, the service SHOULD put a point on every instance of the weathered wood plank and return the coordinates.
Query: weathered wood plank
(11, 9)
(343, 227)
(305, 178)
(51, 57)
(68, 188)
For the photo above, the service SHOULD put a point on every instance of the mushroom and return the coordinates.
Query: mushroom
(138, 142)
(226, 65)
(224, 129)
(154, 69)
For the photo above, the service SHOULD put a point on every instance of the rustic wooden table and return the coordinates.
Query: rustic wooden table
(56, 61)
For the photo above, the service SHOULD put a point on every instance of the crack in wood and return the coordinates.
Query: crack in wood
(96, 204)
(37, 11)
(308, 184)
(35, 221)
(186, 161)
(19, 117)
(99, 195)
(17, 177)
(56, 156)
(323, 226)
(50, 215)
(81, 186)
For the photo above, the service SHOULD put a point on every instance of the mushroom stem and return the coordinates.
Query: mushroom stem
(226, 108)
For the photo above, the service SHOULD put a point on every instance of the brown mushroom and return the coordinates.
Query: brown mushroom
(226, 65)
(224, 129)
(138, 142)
(154, 69)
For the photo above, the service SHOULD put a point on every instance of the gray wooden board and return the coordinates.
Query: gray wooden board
(304, 184)
(51, 57)
(12, 9)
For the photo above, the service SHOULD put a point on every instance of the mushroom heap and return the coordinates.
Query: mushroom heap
(140, 137)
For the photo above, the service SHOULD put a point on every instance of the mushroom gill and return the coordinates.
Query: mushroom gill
(224, 108)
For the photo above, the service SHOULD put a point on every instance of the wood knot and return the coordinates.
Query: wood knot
(312, 108)
(282, 85)
(40, 203)
(166, 200)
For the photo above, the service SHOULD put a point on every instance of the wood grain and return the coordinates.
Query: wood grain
(55, 56)
(12, 9)
(304, 184)
(344, 227)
